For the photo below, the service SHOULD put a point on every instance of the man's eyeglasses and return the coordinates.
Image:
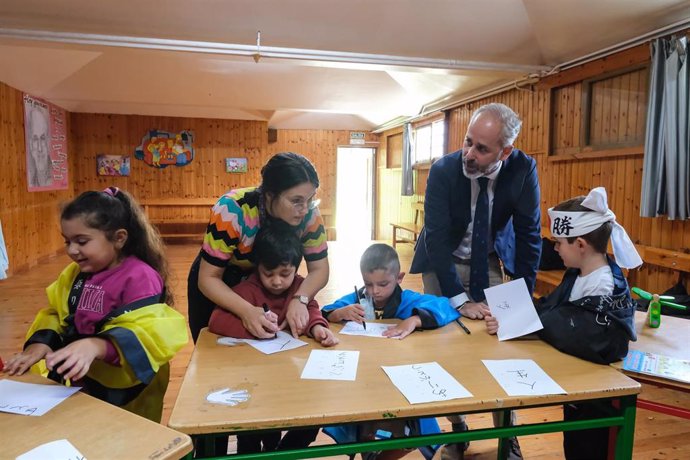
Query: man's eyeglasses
(301, 205)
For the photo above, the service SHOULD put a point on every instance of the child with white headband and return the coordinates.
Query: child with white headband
(590, 314)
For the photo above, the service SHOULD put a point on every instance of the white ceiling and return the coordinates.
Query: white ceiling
(508, 39)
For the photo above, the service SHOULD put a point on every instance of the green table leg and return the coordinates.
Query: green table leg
(626, 433)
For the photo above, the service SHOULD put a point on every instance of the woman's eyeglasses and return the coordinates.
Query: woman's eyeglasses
(301, 205)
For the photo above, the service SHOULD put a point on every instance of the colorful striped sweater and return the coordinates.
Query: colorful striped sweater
(235, 221)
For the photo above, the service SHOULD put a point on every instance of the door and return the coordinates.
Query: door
(354, 194)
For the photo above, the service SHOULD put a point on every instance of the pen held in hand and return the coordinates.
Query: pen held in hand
(364, 324)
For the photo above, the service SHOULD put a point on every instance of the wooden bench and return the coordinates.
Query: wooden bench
(673, 260)
(170, 215)
(415, 227)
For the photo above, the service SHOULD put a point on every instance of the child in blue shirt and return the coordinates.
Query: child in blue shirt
(381, 273)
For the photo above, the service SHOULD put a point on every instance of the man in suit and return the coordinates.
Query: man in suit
(481, 208)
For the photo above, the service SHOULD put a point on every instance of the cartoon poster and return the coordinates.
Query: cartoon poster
(161, 149)
(236, 165)
(46, 145)
(112, 165)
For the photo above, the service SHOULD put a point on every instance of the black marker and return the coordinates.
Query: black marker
(266, 310)
(357, 299)
(464, 328)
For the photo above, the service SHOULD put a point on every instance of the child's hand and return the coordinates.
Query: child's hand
(324, 336)
(491, 324)
(404, 328)
(475, 310)
(21, 362)
(354, 312)
(74, 361)
(259, 324)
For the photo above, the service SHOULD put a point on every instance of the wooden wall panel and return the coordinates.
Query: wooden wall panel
(214, 140)
(29, 220)
(205, 176)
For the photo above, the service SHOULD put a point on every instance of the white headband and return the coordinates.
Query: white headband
(577, 223)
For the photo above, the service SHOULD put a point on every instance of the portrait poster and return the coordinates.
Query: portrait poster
(161, 149)
(112, 165)
(236, 165)
(46, 145)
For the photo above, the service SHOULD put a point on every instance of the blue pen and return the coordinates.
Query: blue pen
(364, 324)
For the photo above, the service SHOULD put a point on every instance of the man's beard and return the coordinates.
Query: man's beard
(478, 172)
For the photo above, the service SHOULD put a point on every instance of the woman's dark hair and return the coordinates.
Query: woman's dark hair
(275, 245)
(286, 170)
(113, 209)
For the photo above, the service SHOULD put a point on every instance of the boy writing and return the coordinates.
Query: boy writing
(381, 273)
(590, 314)
(278, 253)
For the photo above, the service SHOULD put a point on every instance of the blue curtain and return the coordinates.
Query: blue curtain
(407, 172)
(666, 168)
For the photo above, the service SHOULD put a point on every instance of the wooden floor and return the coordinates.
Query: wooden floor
(657, 436)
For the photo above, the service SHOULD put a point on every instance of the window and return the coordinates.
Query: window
(602, 113)
(428, 142)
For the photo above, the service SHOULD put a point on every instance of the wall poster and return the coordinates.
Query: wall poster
(46, 145)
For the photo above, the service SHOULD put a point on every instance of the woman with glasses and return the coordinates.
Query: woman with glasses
(287, 193)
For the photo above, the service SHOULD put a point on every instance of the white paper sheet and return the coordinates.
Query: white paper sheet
(425, 382)
(522, 377)
(372, 330)
(511, 304)
(282, 342)
(331, 365)
(61, 449)
(31, 398)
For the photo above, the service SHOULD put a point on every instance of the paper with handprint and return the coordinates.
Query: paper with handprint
(228, 397)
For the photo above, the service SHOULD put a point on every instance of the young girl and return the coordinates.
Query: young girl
(108, 328)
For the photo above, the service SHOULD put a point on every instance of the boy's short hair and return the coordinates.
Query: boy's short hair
(599, 238)
(277, 245)
(380, 256)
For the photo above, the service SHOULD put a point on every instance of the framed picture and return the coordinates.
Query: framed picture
(161, 149)
(236, 165)
(112, 165)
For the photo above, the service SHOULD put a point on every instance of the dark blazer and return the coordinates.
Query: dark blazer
(515, 220)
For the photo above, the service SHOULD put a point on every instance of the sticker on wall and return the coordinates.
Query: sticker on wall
(161, 149)
(236, 165)
(46, 145)
(112, 165)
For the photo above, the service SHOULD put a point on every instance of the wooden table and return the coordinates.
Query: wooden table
(670, 339)
(279, 399)
(97, 429)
